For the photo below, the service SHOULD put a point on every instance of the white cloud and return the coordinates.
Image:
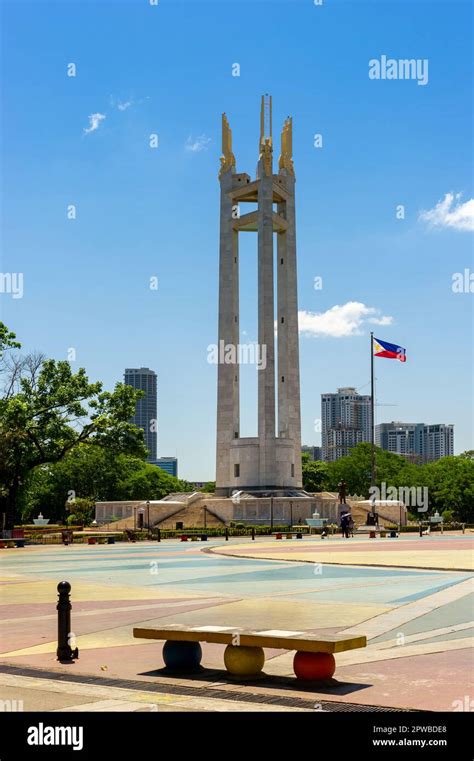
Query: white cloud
(340, 321)
(94, 123)
(195, 145)
(122, 105)
(450, 212)
(384, 320)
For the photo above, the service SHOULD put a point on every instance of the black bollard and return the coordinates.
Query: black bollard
(64, 653)
(253, 534)
(158, 535)
(421, 529)
(226, 534)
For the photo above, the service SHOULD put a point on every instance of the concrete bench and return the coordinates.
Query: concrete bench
(5, 544)
(244, 657)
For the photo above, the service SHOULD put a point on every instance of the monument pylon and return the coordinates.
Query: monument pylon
(271, 461)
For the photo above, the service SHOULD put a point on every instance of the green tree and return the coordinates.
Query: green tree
(7, 339)
(46, 411)
(151, 482)
(82, 512)
(95, 474)
(315, 473)
(86, 472)
(391, 469)
(450, 482)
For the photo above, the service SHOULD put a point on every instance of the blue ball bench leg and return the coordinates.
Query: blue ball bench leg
(181, 656)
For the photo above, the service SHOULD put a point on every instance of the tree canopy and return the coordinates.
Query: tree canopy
(47, 410)
(450, 480)
(93, 474)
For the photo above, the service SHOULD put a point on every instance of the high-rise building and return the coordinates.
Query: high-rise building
(146, 410)
(168, 464)
(340, 441)
(314, 452)
(401, 438)
(417, 441)
(438, 441)
(346, 421)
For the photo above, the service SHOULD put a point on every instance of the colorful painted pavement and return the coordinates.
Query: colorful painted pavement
(418, 620)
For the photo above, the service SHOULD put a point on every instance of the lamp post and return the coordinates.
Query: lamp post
(148, 516)
(271, 513)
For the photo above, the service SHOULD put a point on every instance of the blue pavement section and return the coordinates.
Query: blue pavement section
(459, 611)
(180, 566)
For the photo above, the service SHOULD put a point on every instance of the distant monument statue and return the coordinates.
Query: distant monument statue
(342, 486)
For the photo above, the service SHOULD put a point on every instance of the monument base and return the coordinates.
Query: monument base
(264, 507)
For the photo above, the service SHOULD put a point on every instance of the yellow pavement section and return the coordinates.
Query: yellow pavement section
(280, 614)
(437, 558)
(103, 638)
(41, 591)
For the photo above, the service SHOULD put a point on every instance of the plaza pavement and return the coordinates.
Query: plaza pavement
(447, 552)
(418, 620)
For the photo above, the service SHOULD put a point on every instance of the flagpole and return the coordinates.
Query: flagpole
(372, 409)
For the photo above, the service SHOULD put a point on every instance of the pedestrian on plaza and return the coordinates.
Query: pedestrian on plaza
(350, 524)
(345, 524)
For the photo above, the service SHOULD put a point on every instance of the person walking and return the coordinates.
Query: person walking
(345, 524)
(350, 525)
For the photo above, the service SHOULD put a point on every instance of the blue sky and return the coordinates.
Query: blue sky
(144, 212)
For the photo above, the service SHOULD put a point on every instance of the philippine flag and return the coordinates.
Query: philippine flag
(389, 351)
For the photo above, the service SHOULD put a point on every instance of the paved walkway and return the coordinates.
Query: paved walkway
(419, 622)
(448, 552)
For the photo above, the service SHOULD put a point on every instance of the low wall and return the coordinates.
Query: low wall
(258, 511)
(108, 512)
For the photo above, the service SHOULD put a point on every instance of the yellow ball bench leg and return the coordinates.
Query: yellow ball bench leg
(244, 662)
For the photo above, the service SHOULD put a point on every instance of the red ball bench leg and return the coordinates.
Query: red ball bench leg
(314, 667)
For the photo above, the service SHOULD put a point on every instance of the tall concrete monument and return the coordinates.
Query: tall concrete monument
(269, 463)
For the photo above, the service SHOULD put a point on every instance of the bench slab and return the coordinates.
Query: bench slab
(274, 638)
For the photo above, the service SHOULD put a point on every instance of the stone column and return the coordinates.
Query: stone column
(266, 326)
(289, 414)
(227, 373)
(282, 328)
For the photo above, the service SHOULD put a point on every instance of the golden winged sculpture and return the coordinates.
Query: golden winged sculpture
(227, 158)
(286, 156)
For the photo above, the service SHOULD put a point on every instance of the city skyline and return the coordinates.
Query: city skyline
(424, 442)
(135, 273)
